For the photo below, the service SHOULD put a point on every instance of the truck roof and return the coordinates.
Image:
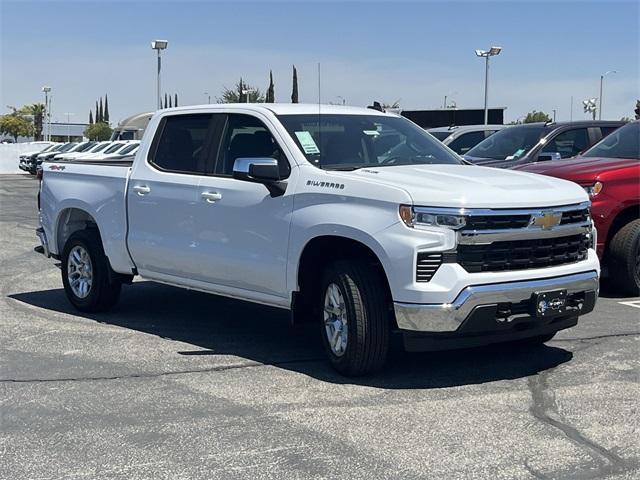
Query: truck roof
(284, 108)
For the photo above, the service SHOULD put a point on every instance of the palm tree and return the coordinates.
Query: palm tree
(37, 111)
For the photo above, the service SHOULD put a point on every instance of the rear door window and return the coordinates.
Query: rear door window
(180, 144)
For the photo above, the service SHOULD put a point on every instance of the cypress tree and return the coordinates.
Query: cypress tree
(175, 101)
(101, 114)
(271, 96)
(294, 90)
(170, 102)
(106, 108)
(90, 117)
(166, 102)
(97, 113)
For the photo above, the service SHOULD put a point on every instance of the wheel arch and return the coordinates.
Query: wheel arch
(69, 221)
(317, 252)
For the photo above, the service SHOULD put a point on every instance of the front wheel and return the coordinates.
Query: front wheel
(355, 317)
(86, 273)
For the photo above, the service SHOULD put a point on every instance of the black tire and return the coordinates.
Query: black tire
(367, 312)
(105, 288)
(624, 259)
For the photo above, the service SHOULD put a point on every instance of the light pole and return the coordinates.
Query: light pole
(206, 94)
(159, 45)
(247, 91)
(554, 115)
(486, 54)
(47, 115)
(68, 114)
(601, 81)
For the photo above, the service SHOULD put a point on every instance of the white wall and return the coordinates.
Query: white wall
(10, 154)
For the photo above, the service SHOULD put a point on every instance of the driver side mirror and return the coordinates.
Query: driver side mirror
(258, 170)
(263, 170)
(546, 156)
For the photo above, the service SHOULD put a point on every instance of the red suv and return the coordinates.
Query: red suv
(610, 172)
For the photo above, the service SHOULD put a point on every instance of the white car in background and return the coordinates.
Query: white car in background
(96, 148)
(113, 149)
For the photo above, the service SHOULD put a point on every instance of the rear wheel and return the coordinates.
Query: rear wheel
(355, 317)
(86, 274)
(624, 259)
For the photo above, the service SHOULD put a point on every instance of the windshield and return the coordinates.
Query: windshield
(113, 147)
(348, 142)
(623, 143)
(509, 143)
(128, 148)
(67, 146)
(440, 135)
(100, 147)
(84, 147)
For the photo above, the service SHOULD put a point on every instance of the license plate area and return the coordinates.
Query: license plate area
(549, 304)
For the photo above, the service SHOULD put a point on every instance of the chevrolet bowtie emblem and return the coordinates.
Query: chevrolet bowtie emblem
(546, 220)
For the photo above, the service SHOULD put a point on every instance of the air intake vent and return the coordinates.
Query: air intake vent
(427, 265)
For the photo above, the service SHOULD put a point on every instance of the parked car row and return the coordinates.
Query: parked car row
(88, 150)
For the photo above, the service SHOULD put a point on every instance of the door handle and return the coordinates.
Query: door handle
(141, 189)
(211, 197)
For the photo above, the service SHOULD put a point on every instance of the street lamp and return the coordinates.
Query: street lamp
(206, 94)
(247, 91)
(68, 114)
(159, 45)
(601, 80)
(486, 54)
(47, 114)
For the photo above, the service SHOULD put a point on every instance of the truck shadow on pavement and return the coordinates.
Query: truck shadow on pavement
(220, 326)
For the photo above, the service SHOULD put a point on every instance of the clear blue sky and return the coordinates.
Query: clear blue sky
(417, 52)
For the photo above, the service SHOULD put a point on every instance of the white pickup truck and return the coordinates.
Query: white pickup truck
(352, 218)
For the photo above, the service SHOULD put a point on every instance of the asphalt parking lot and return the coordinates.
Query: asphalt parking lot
(178, 384)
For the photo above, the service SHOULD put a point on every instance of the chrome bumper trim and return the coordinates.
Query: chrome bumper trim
(471, 237)
(447, 317)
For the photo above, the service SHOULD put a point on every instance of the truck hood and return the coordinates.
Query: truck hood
(475, 187)
(580, 170)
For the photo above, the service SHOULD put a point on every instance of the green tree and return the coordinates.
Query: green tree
(294, 89)
(637, 110)
(536, 116)
(166, 103)
(175, 100)
(271, 95)
(15, 125)
(97, 113)
(106, 109)
(90, 117)
(36, 113)
(236, 94)
(99, 131)
(101, 114)
(170, 102)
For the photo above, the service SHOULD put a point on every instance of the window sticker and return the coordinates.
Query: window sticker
(518, 152)
(307, 143)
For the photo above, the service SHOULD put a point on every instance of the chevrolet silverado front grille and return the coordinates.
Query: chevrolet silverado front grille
(523, 254)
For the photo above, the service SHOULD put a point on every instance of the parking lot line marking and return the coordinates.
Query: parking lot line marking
(633, 303)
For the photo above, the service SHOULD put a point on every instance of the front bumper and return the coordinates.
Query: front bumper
(498, 305)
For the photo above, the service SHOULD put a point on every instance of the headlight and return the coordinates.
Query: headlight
(424, 217)
(593, 190)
